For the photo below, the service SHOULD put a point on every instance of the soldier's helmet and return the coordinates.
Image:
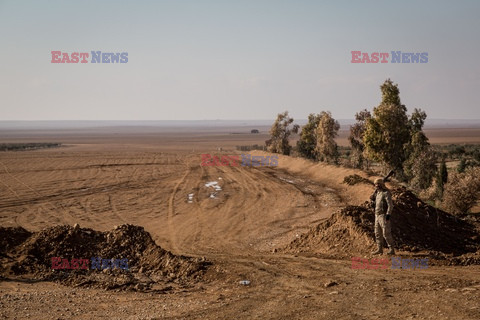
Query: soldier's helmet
(379, 182)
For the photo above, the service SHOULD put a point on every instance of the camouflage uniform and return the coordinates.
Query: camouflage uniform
(382, 201)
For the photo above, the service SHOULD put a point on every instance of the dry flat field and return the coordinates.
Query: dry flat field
(152, 178)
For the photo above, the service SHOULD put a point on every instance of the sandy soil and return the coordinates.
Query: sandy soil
(100, 182)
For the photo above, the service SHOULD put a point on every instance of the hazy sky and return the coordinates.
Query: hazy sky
(234, 59)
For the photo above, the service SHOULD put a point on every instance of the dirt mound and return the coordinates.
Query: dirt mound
(416, 227)
(145, 263)
(353, 179)
(347, 232)
(12, 237)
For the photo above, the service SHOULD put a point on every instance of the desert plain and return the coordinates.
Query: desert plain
(238, 218)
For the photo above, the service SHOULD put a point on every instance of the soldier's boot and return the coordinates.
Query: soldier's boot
(379, 250)
(391, 251)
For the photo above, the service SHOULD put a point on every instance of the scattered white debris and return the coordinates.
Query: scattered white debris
(286, 180)
(214, 185)
(211, 184)
(190, 197)
(219, 178)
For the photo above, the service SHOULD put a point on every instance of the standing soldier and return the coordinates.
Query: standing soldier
(382, 202)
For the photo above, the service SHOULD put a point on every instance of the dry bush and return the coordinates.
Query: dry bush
(462, 191)
(432, 193)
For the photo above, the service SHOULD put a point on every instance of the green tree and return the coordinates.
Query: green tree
(418, 140)
(280, 131)
(462, 165)
(308, 137)
(442, 178)
(387, 132)
(443, 171)
(327, 130)
(476, 155)
(420, 167)
(390, 93)
(356, 137)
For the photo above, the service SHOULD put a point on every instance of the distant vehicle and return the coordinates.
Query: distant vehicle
(254, 131)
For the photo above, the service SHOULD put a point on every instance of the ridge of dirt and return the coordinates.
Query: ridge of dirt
(149, 266)
(353, 179)
(417, 228)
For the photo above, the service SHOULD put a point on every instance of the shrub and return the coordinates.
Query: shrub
(462, 191)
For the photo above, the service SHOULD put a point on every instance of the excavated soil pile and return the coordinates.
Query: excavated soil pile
(149, 266)
(12, 237)
(355, 179)
(416, 227)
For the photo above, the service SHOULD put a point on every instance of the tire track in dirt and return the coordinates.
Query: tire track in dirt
(35, 192)
(229, 222)
(11, 190)
(197, 212)
(196, 229)
(171, 208)
(114, 208)
(272, 212)
(206, 236)
(71, 194)
(191, 219)
(15, 218)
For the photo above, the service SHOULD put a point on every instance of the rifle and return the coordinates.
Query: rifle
(387, 177)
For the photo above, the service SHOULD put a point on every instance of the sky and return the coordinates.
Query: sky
(203, 60)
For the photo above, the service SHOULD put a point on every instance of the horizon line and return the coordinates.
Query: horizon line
(156, 120)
